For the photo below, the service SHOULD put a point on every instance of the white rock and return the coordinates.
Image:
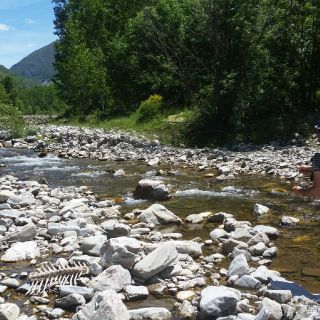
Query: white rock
(9, 311)
(260, 209)
(156, 261)
(105, 305)
(21, 251)
(219, 301)
(158, 214)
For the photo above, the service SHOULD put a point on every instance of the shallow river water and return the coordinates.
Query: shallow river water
(299, 247)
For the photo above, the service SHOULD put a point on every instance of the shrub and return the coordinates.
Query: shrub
(149, 108)
(12, 121)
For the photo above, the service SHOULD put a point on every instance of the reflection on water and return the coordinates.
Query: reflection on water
(299, 253)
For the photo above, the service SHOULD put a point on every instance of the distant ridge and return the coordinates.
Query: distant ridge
(19, 80)
(38, 65)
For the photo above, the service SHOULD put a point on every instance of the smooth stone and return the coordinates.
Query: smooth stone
(151, 189)
(114, 229)
(271, 232)
(158, 215)
(9, 311)
(219, 301)
(151, 313)
(287, 221)
(25, 233)
(260, 209)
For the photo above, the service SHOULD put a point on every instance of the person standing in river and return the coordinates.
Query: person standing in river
(314, 172)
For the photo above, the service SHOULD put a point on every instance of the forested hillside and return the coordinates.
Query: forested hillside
(20, 81)
(247, 70)
(38, 66)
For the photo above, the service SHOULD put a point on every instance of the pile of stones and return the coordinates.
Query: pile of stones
(129, 259)
(74, 142)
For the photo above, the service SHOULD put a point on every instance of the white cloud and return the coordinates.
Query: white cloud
(4, 27)
(29, 21)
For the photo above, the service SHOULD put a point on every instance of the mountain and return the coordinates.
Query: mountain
(20, 81)
(38, 65)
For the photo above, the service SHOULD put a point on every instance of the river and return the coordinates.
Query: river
(299, 247)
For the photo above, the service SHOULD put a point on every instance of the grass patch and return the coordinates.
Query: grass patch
(168, 128)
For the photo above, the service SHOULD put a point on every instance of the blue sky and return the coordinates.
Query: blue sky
(25, 26)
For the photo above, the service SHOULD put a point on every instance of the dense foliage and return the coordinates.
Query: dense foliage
(248, 69)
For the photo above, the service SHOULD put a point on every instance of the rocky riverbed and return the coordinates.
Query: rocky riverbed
(128, 257)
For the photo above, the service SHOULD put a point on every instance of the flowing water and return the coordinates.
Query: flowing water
(299, 247)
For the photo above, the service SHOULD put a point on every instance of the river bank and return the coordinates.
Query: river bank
(235, 253)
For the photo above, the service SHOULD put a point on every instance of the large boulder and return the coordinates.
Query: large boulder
(219, 301)
(158, 214)
(156, 261)
(151, 189)
(105, 305)
(114, 278)
(21, 251)
(123, 251)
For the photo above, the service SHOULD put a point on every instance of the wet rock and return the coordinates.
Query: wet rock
(105, 305)
(9, 311)
(114, 278)
(219, 301)
(156, 261)
(217, 234)
(219, 217)
(158, 215)
(123, 251)
(271, 232)
(119, 173)
(287, 221)
(260, 209)
(151, 189)
(21, 251)
(150, 314)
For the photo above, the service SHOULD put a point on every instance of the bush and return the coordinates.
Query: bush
(149, 108)
(12, 121)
